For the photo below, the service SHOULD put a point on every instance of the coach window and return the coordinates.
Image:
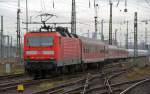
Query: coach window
(92, 49)
(87, 49)
(84, 49)
(95, 49)
(106, 49)
(99, 50)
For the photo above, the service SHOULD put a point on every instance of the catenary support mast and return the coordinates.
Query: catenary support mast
(18, 33)
(110, 24)
(73, 17)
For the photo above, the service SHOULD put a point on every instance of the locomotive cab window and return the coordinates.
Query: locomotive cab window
(40, 41)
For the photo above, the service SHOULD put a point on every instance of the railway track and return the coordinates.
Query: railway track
(11, 87)
(114, 87)
(103, 86)
(89, 82)
(63, 88)
(109, 87)
(76, 86)
(141, 87)
(11, 76)
(59, 88)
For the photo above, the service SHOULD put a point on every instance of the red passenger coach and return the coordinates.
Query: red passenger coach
(92, 50)
(116, 53)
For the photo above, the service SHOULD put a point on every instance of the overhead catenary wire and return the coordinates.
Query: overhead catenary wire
(79, 4)
(89, 3)
(118, 3)
(125, 3)
(83, 5)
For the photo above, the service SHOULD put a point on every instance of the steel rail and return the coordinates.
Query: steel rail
(134, 86)
(11, 76)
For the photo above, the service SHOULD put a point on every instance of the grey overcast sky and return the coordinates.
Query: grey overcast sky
(85, 14)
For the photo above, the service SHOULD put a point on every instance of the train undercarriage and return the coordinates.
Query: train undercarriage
(40, 70)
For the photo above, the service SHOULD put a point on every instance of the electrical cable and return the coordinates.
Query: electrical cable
(147, 2)
(79, 5)
(118, 3)
(89, 4)
(94, 3)
(125, 3)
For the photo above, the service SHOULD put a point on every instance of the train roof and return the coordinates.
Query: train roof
(91, 40)
(98, 41)
(140, 52)
(132, 50)
(63, 31)
(116, 47)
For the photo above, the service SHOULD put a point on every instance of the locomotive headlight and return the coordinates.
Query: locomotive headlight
(31, 52)
(48, 52)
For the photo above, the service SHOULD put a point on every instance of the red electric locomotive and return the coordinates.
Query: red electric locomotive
(46, 51)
